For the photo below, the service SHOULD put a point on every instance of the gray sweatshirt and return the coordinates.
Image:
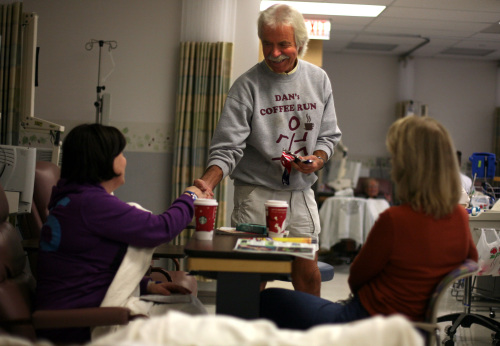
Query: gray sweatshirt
(266, 113)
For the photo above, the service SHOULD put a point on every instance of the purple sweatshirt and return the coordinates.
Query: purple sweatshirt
(85, 239)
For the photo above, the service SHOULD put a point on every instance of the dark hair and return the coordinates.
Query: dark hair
(89, 151)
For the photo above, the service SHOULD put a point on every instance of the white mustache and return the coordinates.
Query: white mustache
(278, 58)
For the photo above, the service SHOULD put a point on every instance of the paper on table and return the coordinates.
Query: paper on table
(268, 245)
(296, 240)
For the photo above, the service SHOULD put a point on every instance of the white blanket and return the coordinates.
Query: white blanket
(176, 329)
(124, 291)
(348, 218)
(341, 218)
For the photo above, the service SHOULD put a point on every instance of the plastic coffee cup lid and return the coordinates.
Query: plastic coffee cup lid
(276, 203)
(206, 201)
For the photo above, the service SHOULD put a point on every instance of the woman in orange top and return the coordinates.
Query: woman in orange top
(410, 248)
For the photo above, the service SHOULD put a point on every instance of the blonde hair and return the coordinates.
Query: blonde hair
(424, 165)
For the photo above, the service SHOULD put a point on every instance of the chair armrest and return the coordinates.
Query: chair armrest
(184, 279)
(161, 271)
(178, 277)
(85, 317)
(426, 327)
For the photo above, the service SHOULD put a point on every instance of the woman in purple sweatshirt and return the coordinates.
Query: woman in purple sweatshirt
(88, 229)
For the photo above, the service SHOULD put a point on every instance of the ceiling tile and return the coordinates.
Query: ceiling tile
(446, 23)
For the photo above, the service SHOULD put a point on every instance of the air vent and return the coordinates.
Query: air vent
(372, 46)
(467, 51)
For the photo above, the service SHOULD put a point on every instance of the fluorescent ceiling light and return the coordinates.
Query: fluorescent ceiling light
(329, 9)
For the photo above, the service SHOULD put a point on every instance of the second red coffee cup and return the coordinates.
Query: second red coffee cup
(275, 217)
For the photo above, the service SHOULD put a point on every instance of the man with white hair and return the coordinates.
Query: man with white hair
(280, 105)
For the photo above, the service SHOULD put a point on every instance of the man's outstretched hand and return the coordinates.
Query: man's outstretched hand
(204, 187)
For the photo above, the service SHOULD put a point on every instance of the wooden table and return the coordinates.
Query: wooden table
(238, 274)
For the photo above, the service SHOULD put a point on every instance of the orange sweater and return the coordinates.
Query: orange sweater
(405, 256)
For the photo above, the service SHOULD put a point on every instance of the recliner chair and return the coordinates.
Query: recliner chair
(17, 291)
(46, 176)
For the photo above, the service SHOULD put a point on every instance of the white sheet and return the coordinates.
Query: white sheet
(341, 218)
(348, 218)
(176, 329)
(124, 290)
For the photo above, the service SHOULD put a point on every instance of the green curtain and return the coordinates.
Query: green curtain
(204, 78)
(11, 19)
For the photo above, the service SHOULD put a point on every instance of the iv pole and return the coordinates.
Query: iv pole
(98, 103)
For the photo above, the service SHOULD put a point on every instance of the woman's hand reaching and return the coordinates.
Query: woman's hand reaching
(199, 193)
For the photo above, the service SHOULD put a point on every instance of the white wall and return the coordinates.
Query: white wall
(245, 55)
(142, 86)
(460, 93)
(365, 94)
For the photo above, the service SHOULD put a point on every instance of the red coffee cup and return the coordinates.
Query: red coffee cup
(205, 210)
(275, 217)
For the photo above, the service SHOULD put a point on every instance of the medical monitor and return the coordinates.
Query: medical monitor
(17, 173)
